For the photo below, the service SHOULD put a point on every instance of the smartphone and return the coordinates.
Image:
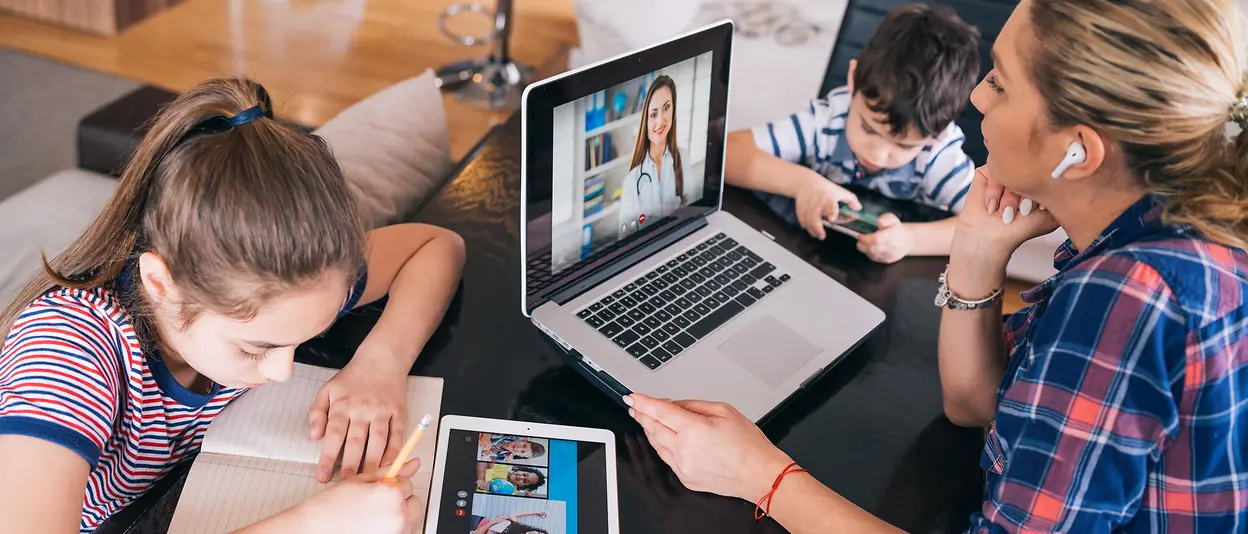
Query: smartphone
(854, 223)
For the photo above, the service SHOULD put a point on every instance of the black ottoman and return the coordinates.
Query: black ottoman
(108, 136)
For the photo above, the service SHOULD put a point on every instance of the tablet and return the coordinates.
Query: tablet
(513, 476)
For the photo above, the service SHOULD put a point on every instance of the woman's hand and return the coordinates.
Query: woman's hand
(365, 503)
(710, 446)
(892, 242)
(994, 223)
(818, 199)
(361, 413)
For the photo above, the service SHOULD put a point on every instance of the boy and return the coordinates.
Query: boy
(500, 448)
(890, 129)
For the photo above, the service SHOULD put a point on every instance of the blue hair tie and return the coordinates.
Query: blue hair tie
(220, 123)
(246, 116)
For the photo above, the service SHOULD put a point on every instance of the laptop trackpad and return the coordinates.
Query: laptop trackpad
(769, 350)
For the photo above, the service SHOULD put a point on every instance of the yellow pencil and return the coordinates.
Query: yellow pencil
(409, 446)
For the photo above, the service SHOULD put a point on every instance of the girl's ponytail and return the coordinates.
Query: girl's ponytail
(177, 162)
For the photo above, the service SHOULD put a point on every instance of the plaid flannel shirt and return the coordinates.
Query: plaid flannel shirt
(1124, 405)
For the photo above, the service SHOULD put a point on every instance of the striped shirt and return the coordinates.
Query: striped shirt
(940, 176)
(65, 364)
(1124, 405)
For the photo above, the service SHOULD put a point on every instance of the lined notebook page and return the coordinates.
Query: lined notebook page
(272, 420)
(257, 459)
(227, 493)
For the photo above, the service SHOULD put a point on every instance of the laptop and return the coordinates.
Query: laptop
(629, 263)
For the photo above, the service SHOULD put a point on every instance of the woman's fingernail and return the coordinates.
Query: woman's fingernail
(628, 399)
(322, 474)
(1025, 206)
(1042, 208)
(632, 413)
(992, 206)
(1007, 216)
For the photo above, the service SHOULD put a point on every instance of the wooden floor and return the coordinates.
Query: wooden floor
(316, 57)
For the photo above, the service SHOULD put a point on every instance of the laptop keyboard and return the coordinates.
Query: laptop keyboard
(666, 311)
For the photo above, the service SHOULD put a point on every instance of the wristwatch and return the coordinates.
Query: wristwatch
(946, 298)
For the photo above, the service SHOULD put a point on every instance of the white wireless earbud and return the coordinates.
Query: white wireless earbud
(1075, 155)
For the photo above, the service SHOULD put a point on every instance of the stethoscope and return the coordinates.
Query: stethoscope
(631, 226)
(649, 181)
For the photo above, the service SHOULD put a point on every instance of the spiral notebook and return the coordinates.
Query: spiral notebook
(257, 459)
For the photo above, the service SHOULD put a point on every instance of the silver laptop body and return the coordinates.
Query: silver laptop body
(694, 304)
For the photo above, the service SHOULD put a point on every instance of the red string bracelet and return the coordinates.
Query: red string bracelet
(763, 508)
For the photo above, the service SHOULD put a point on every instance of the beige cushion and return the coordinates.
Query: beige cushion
(393, 147)
(46, 217)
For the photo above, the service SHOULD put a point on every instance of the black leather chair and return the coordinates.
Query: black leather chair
(863, 16)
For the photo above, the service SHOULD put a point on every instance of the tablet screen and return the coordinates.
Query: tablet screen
(508, 484)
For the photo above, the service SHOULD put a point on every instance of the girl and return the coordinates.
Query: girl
(655, 185)
(506, 524)
(1115, 402)
(230, 240)
(527, 480)
(499, 448)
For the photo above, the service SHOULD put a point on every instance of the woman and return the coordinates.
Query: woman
(1116, 400)
(655, 185)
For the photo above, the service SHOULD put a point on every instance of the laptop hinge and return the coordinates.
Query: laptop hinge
(591, 280)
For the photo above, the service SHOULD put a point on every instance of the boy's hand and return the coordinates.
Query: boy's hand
(819, 199)
(892, 242)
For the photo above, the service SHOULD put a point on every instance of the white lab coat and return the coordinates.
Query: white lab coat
(648, 192)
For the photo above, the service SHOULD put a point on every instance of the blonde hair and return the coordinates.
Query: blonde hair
(237, 216)
(1160, 77)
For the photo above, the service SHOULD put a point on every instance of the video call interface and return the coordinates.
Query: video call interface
(508, 484)
(625, 158)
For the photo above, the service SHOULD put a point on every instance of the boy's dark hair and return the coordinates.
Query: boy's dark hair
(541, 479)
(919, 68)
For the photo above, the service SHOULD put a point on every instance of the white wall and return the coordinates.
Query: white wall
(701, 111)
(564, 161)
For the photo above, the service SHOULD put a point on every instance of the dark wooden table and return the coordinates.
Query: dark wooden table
(872, 428)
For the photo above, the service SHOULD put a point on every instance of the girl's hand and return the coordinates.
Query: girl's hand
(994, 223)
(710, 446)
(365, 503)
(361, 413)
(892, 242)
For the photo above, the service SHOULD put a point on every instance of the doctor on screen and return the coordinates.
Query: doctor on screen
(655, 185)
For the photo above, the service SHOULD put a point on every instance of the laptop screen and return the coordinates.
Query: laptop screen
(619, 153)
(627, 157)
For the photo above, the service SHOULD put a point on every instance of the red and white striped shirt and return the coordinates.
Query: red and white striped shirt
(65, 360)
